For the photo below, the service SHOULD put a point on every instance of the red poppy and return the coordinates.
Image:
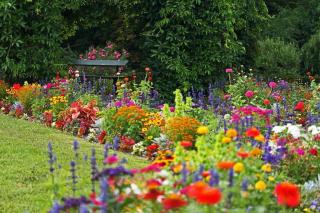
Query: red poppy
(173, 201)
(313, 151)
(299, 106)
(252, 132)
(152, 194)
(287, 194)
(209, 196)
(225, 165)
(186, 144)
(266, 102)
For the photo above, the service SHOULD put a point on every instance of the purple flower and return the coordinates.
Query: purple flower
(117, 171)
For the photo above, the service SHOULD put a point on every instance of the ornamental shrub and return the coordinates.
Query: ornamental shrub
(277, 59)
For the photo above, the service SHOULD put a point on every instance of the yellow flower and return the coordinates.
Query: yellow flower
(260, 185)
(244, 194)
(226, 140)
(202, 130)
(271, 178)
(238, 167)
(266, 167)
(231, 133)
(260, 138)
(177, 168)
(150, 137)
(144, 129)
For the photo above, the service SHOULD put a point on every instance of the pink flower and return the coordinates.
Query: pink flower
(272, 84)
(172, 109)
(300, 151)
(111, 159)
(249, 94)
(226, 97)
(229, 70)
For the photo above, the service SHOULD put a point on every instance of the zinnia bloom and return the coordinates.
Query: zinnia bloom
(209, 196)
(299, 106)
(225, 165)
(173, 201)
(249, 94)
(186, 144)
(313, 151)
(272, 84)
(287, 194)
(252, 132)
(266, 102)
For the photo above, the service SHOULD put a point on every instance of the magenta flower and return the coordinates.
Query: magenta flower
(249, 94)
(111, 159)
(229, 70)
(272, 84)
(300, 151)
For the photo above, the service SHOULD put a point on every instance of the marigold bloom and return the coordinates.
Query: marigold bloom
(225, 165)
(231, 133)
(255, 152)
(266, 167)
(173, 201)
(202, 130)
(226, 140)
(260, 138)
(287, 194)
(209, 196)
(238, 167)
(260, 185)
(252, 132)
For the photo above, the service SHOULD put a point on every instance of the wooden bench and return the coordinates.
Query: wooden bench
(103, 68)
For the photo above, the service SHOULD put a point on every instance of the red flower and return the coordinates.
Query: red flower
(266, 102)
(209, 196)
(299, 106)
(242, 154)
(94, 200)
(152, 147)
(194, 189)
(101, 137)
(16, 86)
(153, 184)
(155, 167)
(313, 151)
(287, 194)
(186, 144)
(173, 201)
(252, 132)
(152, 194)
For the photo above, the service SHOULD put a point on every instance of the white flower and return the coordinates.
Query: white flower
(164, 173)
(227, 117)
(135, 189)
(314, 130)
(279, 129)
(294, 130)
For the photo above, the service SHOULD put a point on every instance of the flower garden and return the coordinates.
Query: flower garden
(143, 106)
(250, 146)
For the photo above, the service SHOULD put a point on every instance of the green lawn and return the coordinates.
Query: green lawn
(24, 178)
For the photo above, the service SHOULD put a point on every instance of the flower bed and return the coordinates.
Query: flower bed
(240, 150)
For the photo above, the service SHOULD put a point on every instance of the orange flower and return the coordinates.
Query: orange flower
(173, 201)
(252, 132)
(231, 133)
(186, 144)
(255, 152)
(260, 138)
(287, 194)
(153, 184)
(194, 189)
(225, 165)
(243, 154)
